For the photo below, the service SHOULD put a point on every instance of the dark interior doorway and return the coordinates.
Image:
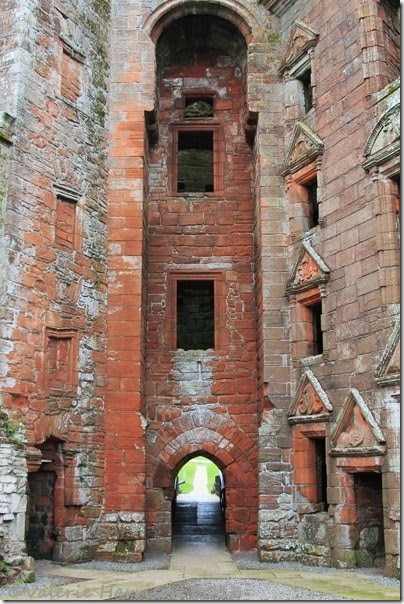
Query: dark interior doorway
(40, 535)
(369, 547)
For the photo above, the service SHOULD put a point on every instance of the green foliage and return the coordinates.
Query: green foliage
(4, 569)
(11, 429)
(187, 473)
(273, 37)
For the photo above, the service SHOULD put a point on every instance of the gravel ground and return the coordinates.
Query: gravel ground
(45, 580)
(227, 589)
(199, 589)
(251, 562)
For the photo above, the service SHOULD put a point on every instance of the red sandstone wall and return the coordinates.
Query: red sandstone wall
(212, 234)
(54, 287)
(351, 63)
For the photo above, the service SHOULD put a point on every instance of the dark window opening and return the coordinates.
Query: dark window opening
(313, 203)
(195, 161)
(321, 470)
(316, 311)
(195, 315)
(390, 13)
(307, 90)
(198, 106)
(397, 186)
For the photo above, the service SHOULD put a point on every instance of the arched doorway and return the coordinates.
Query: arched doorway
(198, 504)
(236, 458)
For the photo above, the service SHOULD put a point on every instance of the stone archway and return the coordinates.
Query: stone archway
(221, 440)
(231, 10)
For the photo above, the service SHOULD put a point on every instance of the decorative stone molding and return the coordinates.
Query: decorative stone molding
(388, 370)
(73, 52)
(277, 7)
(301, 39)
(66, 192)
(357, 432)
(304, 147)
(383, 143)
(68, 179)
(310, 402)
(309, 270)
(167, 12)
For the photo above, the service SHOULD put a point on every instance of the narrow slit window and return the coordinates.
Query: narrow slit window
(316, 312)
(305, 79)
(195, 161)
(397, 193)
(195, 315)
(313, 203)
(321, 470)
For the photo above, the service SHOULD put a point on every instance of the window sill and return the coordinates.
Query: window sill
(312, 360)
(311, 508)
(198, 195)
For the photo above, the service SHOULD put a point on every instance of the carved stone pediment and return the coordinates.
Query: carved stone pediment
(301, 39)
(310, 403)
(357, 432)
(308, 271)
(388, 370)
(304, 146)
(383, 143)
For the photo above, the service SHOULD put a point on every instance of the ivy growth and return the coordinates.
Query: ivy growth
(13, 430)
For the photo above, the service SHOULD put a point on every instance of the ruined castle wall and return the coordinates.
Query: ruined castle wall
(54, 288)
(358, 298)
(111, 408)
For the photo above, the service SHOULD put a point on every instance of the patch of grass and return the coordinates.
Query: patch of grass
(187, 473)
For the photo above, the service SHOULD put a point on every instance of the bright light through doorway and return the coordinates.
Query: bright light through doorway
(199, 480)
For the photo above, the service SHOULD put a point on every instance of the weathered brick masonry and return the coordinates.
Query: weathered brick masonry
(200, 256)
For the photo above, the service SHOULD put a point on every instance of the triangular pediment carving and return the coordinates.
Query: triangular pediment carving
(356, 432)
(301, 39)
(308, 271)
(383, 143)
(310, 403)
(303, 148)
(388, 370)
